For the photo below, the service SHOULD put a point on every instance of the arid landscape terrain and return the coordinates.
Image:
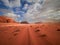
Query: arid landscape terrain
(29, 34)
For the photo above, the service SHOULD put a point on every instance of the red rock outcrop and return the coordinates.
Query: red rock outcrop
(4, 19)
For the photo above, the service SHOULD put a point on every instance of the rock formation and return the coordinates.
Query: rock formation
(4, 19)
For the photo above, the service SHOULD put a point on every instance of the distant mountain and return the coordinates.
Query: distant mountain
(4, 19)
(24, 22)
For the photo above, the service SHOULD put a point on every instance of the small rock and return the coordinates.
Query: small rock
(37, 30)
(16, 30)
(15, 34)
(58, 29)
(42, 35)
(30, 26)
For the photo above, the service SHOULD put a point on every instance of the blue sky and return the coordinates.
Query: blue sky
(30, 10)
(16, 7)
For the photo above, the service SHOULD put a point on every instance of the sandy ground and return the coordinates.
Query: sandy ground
(30, 34)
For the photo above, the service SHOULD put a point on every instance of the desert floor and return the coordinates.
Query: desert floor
(30, 34)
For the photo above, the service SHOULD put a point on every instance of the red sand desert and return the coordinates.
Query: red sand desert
(29, 34)
(13, 33)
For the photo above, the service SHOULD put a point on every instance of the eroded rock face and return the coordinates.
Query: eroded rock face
(4, 19)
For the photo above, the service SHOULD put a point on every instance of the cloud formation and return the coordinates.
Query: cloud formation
(48, 12)
(12, 3)
(11, 12)
(5, 10)
(38, 11)
(33, 0)
(13, 16)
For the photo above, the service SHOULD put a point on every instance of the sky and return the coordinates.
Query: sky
(31, 10)
(14, 7)
(44, 11)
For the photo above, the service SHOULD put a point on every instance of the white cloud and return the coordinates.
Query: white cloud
(13, 16)
(33, 0)
(6, 2)
(44, 14)
(26, 6)
(5, 11)
(32, 12)
(15, 3)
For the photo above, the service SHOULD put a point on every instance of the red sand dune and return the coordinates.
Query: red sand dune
(30, 34)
